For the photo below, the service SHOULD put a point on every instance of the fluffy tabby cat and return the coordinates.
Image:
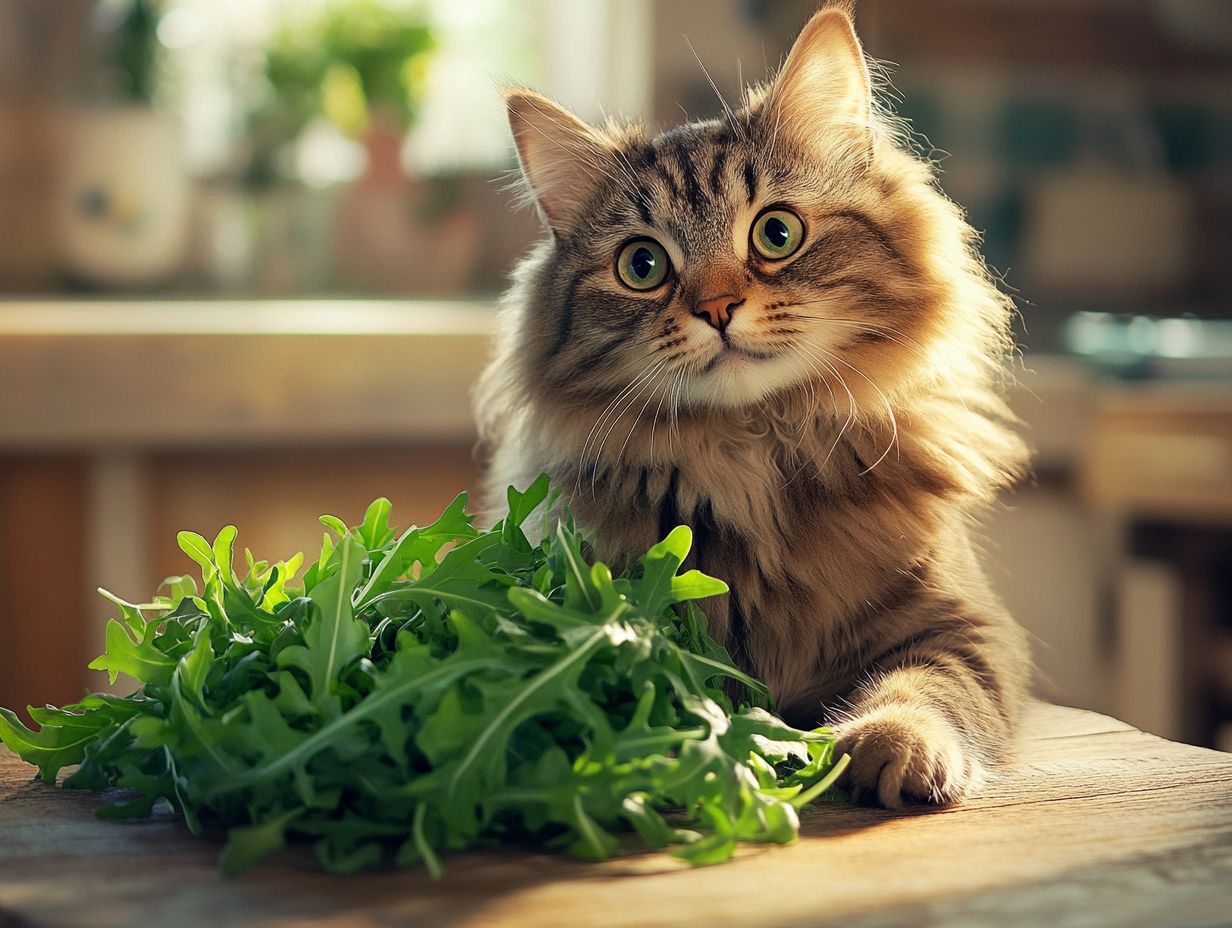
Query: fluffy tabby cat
(774, 327)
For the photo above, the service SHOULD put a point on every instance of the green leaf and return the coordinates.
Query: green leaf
(484, 762)
(374, 531)
(246, 844)
(52, 746)
(199, 550)
(536, 607)
(655, 588)
(450, 688)
(223, 549)
(179, 588)
(417, 546)
(335, 525)
(195, 666)
(521, 505)
(580, 592)
(137, 657)
(334, 637)
(275, 593)
(694, 584)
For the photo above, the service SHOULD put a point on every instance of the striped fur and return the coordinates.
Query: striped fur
(831, 448)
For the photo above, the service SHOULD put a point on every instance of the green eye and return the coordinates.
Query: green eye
(777, 234)
(642, 264)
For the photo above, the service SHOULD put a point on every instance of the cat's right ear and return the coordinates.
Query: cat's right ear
(562, 158)
(822, 90)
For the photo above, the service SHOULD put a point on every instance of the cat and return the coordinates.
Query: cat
(775, 328)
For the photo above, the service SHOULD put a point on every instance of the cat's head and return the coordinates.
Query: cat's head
(791, 243)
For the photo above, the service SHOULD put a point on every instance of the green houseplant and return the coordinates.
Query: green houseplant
(361, 64)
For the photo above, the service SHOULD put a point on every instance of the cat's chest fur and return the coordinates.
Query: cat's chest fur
(809, 540)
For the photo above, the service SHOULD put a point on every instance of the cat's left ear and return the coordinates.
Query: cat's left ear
(824, 85)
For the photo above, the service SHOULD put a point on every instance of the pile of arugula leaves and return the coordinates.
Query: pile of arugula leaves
(433, 690)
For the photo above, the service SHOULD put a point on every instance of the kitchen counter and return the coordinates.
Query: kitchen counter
(1094, 824)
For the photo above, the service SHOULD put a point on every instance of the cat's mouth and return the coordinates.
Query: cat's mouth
(730, 354)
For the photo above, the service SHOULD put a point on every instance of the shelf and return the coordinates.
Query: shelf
(254, 373)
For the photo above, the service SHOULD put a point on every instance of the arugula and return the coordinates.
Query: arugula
(431, 690)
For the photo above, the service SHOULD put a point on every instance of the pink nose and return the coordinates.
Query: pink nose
(718, 309)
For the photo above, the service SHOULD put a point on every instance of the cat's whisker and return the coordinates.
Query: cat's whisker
(615, 420)
(811, 412)
(670, 379)
(623, 401)
(731, 116)
(825, 382)
(657, 382)
(611, 406)
(889, 409)
(598, 421)
(893, 334)
(675, 430)
(823, 358)
(851, 418)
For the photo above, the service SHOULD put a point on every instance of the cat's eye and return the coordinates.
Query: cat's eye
(642, 264)
(777, 234)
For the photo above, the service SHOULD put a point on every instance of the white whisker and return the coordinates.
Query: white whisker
(851, 416)
(615, 419)
(731, 116)
(658, 380)
(889, 410)
(650, 368)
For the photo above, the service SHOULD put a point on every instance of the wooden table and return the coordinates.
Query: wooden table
(1095, 824)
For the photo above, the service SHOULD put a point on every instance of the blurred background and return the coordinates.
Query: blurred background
(249, 252)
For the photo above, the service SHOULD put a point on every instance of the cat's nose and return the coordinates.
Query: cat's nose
(717, 310)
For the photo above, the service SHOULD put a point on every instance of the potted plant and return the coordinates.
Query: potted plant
(360, 64)
(122, 194)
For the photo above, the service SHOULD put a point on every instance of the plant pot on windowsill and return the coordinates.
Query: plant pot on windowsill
(403, 235)
(122, 197)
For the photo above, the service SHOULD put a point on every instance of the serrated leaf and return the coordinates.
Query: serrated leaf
(417, 546)
(224, 553)
(334, 637)
(374, 531)
(335, 525)
(51, 747)
(522, 504)
(246, 844)
(449, 688)
(199, 550)
(654, 588)
(136, 657)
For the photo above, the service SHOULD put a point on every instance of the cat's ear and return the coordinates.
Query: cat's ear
(562, 158)
(824, 85)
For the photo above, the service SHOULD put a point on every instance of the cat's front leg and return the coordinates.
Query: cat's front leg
(936, 713)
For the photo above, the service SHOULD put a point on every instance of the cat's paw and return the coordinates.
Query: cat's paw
(903, 754)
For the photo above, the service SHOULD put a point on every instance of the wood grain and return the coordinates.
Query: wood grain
(1094, 824)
